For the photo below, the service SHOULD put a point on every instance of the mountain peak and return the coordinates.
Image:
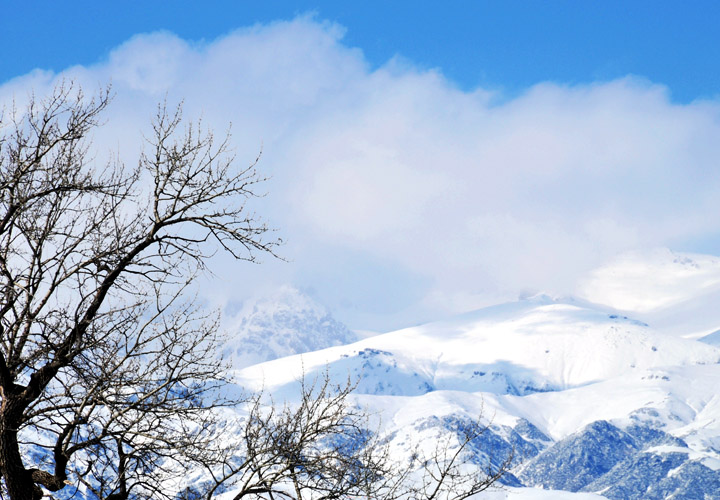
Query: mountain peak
(282, 323)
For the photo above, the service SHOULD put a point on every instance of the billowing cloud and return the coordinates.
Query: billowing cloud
(402, 196)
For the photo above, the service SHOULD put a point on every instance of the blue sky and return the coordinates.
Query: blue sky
(509, 44)
(425, 159)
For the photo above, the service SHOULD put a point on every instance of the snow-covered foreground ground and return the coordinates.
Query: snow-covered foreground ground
(535, 494)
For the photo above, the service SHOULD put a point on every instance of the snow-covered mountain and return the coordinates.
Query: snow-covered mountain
(593, 403)
(280, 324)
(613, 394)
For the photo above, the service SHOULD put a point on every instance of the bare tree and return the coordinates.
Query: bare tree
(110, 381)
(449, 472)
(318, 448)
(324, 447)
(106, 371)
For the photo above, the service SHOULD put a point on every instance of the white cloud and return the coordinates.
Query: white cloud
(463, 194)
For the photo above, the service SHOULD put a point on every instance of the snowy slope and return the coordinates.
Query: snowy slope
(558, 379)
(531, 346)
(674, 292)
(712, 339)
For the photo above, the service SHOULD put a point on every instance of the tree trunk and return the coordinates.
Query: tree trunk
(18, 480)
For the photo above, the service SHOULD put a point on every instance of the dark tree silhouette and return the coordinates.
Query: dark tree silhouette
(106, 370)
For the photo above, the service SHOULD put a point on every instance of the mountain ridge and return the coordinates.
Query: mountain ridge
(559, 366)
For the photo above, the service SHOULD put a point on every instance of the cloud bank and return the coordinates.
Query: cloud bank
(403, 197)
